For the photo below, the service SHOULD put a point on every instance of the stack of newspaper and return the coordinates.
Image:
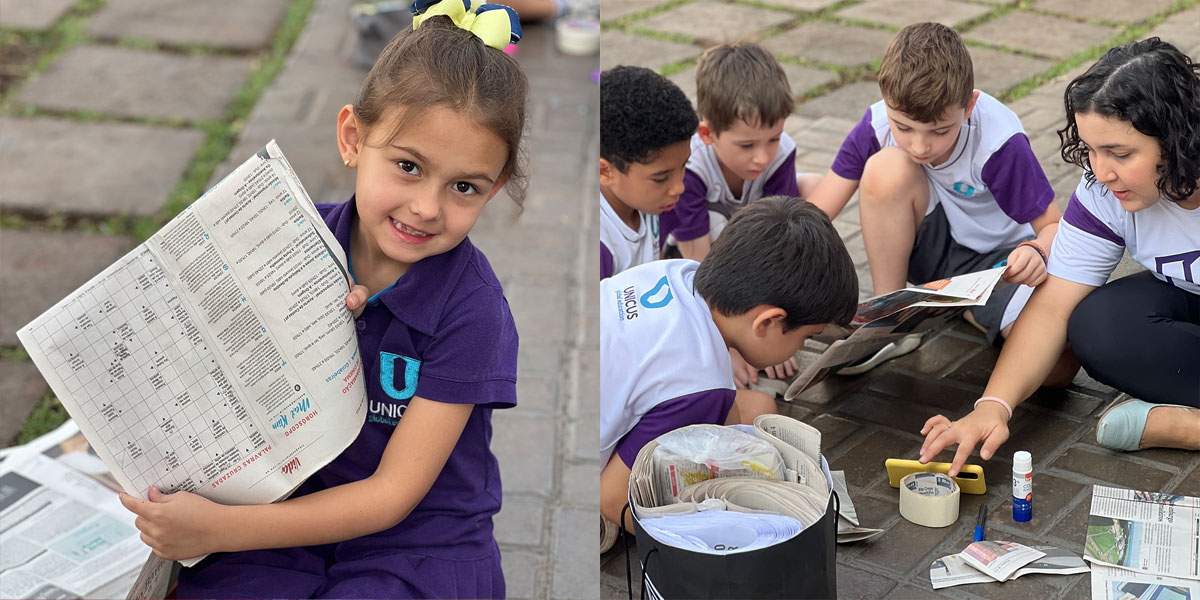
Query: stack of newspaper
(63, 533)
(884, 319)
(1143, 544)
(801, 493)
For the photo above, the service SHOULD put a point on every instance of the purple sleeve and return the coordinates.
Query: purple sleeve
(858, 146)
(783, 181)
(473, 357)
(690, 215)
(606, 262)
(1017, 181)
(711, 406)
(1078, 215)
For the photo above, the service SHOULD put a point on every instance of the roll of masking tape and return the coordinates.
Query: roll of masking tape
(929, 499)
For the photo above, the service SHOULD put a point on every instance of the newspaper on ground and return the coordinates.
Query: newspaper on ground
(954, 570)
(1148, 532)
(848, 527)
(884, 319)
(217, 357)
(1113, 583)
(997, 559)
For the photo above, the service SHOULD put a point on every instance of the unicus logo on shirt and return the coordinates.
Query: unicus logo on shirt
(390, 414)
(629, 300)
(663, 298)
(964, 189)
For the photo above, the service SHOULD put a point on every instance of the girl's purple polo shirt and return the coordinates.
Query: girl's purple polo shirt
(443, 332)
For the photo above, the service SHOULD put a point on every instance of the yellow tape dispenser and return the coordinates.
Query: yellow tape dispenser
(969, 478)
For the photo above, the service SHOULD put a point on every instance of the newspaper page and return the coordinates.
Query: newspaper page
(999, 560)
(65, 535)
(1149, 532)
(953, 570)
(218, 357)
(1112, 583)
(884, 319)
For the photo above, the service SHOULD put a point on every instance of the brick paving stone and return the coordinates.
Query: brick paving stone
(576, 561)
(1171, 457)
(936, 354)
(1073, 526)
(1052, 496)
(520, 447)
(1119, 11)
(40, 268)
(863, 463)
(833, 429)
(113, 181)
(977, 369)
(152, 84)
(612, 10)
(889, 412)
(520, 521)
(231, 24)
(622, 48)
(1030, 586)
(899, 13)
(538, 394)
(1040, 434)
(847, 102)
(1043, 35)
(861, 585)
(524, 574)
(832, 387)
(583, 440)
(579, 483)
(801, 79)
(953, 400)
(831, 43)
(1113, 468)
(1190, 484)
(904, 546)
(909, 592)
(1181, 30)
(805, 5)
(22, 384)
(714, 22)
(1068, 401)
(997, 71)
(32, 15)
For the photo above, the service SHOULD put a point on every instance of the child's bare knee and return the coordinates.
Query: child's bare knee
(751, 404)
(888, 175)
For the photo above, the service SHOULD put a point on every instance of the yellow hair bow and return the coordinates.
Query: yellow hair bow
(495, 24)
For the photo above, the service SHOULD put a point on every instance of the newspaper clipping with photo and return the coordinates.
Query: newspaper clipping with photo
(885, 319)
(1143, 537)
(218, 357)
(955, 570)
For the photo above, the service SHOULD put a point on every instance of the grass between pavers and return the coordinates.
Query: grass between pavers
(220, 138)
(68, 31)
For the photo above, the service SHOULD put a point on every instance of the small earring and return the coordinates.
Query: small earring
(346, 162)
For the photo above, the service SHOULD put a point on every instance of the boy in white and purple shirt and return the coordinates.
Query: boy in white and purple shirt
(948, 182)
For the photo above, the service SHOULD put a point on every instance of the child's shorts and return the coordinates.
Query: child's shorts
(935, 255)
(711, 406)
(313, 572)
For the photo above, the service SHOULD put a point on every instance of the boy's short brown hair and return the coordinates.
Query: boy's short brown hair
(925, 71)
(741, 82)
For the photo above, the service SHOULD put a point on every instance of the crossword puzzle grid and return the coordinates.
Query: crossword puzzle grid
(139, 368)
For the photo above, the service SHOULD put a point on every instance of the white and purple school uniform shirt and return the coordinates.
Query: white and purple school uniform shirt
(443, 332)
(620, 246)
(1095, 231)
(991, 187)
(707, 202)
(658, 343)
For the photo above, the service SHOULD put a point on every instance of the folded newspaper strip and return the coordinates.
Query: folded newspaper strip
(848, 527)
(999, 560)
(217, 357)
(884, 319)
(953, 570)
(1149, 532)
(689, 455)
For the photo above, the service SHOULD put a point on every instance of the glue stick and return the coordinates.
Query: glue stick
(1022, 486)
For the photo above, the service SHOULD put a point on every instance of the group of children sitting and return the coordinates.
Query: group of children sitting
(947, 184)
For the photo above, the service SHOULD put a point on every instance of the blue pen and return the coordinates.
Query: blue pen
(979, 536)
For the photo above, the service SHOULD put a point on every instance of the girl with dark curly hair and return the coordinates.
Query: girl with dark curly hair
(1133, 124)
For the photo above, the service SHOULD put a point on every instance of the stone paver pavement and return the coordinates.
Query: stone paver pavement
(547, 446)
(867, 419)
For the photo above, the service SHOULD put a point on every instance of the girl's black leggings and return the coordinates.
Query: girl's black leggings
(1141, 336)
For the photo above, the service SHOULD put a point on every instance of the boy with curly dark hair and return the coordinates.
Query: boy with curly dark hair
(645, 124)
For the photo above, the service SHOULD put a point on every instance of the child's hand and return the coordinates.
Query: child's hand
(356, 300)
(783, 370)
(743, 373)
(177, 526)
(1025, 265)
(988, 423)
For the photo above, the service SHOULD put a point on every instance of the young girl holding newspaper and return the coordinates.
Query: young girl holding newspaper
(406, 511)
(1133, 124)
